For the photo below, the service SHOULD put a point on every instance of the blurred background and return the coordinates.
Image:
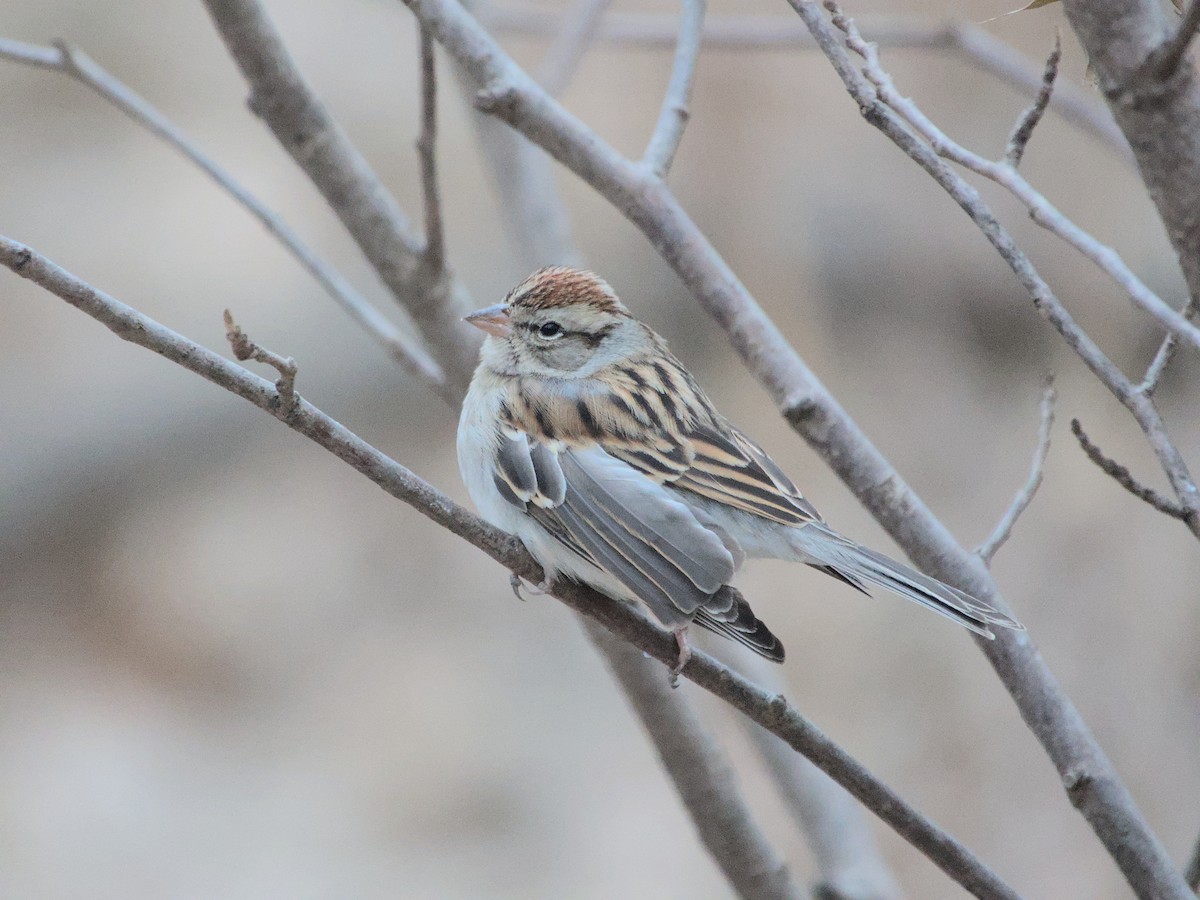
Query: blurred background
(232, 667)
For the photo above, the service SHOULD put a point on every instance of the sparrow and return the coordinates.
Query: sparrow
(586, 438)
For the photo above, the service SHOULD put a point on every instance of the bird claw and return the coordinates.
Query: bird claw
(685, 655)
(536, 590)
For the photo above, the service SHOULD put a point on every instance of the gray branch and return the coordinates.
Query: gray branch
(300, 122)
(506, 91)
(1126, 42)
(72, 61)
(673, 117)
(772, 711)
(1024, 496)
(434, 256)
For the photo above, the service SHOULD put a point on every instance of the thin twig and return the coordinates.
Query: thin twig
(987, 550)
(1040, 209)
(1167, 59)
(282, 98)
(507, 92)
(1164, 355)
(772, 711)
(434, 255)
(75, 63)
(1122, 476)
(561, 60)
(244, 349)
(1023, 131)
(977, 47)
(673, 117)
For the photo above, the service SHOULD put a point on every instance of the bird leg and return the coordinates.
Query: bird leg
(685, 654)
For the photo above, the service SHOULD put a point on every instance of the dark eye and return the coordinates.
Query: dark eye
(550, 330)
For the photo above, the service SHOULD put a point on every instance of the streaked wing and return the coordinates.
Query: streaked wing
(617, 519)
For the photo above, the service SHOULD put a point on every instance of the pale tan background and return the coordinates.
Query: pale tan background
(231, 667)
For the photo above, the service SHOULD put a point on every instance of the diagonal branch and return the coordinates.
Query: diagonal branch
(74, 62)
(434, 254)
(1122, 476)
(673, 117)
(1024, 496)
(506, 91)
(772, 711)
(300, 122)
(1031, 117)
(1008, 177)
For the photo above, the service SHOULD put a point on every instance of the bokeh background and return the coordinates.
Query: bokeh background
(232, 667)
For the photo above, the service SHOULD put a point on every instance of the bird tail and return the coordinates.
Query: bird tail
(823, 548)
(728, 614)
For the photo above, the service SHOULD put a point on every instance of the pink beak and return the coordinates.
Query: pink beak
(492, 319)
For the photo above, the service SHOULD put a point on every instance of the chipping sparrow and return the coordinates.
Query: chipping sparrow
(583, 436)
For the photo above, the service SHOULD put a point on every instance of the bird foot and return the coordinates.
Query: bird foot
(685, 654)
(536, 590)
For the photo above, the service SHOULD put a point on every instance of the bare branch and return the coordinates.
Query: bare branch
(1164, 355)
(570, 41)
(434, 255)
(1166, 60)
(244, 349)
(1023, 131)
(74, 62)
(302, 125)
(772, 711)
(1040, 209)
(1077, 105)
(673, 117)
(701, 772)
(506, 91)
(1124, 477)
(987, 550)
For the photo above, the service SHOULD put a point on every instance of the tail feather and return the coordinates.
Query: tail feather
(729, 615)
(856, 564)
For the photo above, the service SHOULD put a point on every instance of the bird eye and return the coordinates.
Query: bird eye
(550, 330)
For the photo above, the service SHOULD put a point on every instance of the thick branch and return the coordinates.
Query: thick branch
(1126, 42)
(299, 121)
(72, 61)
(771, 711)
(673, 117)
(510, 94)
